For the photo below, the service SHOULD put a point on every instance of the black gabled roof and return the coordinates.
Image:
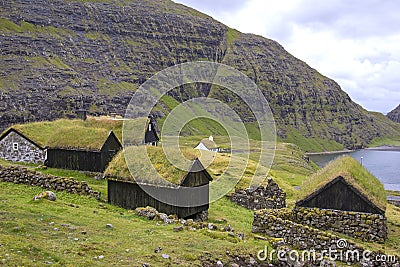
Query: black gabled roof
(363, 203)
(22, 135)
(112, 134)
(151, 136)
(196, 167)
(356, 180)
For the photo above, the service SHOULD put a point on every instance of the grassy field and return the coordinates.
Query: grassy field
(72, 230)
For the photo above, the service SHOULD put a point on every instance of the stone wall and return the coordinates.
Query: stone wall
(269, 197)
(21, 175)
(26, 152)
(364, 226)
(278, 224)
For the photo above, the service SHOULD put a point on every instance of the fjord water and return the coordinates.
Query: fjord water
(384, 163)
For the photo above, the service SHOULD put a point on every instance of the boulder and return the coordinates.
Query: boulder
(47, 195)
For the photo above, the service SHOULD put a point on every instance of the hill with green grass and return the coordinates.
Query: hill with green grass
(60, 56)
(80, 230)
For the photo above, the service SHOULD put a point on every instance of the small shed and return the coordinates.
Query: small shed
(131, 190)
(208, 144)
(17, 146)
(344, 185)
(81, 148)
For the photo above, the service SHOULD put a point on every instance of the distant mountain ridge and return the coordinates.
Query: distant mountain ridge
(59, 56)
(394, 115)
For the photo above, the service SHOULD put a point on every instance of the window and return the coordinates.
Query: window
(149, 127)
(15, 146)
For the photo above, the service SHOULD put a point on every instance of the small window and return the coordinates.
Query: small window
(15, 146)
(149, 127)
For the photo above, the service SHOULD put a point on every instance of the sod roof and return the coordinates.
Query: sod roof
(353, 173)
(70, 133)
(79, 137)
(141, 173)
(134, 129)
(209, 144)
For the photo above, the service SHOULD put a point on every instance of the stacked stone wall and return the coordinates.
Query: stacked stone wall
(364, 226)
(269, 197)
(21, 175)
(279, 224)
(25, 152)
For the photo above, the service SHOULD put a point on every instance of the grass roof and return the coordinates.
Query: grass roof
(43, 132)
(141, 173)
(209, 144)
(117, 169)
(79, 137)
(134, 129)
(354, 174)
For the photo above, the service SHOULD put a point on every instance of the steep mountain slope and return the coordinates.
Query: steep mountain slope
(394, 115)
(59, 56)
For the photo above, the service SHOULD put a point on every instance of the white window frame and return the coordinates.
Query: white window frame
(15, 146)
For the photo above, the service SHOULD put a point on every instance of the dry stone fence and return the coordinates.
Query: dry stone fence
(269, 197)
(304, 228)
(21, 175)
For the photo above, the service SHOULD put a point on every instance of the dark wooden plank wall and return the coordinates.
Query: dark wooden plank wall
(130, 196)
(75, 160)
(151, 136)
(194, 179)
(340, 196)
(109, 150)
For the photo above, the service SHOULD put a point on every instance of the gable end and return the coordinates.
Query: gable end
(340, 195)
(4, 135)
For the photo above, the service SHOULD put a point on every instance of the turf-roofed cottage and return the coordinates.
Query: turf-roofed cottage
(139, 185)
(344, 185)
(344, 197)
(84, 149)
(208, 145)
(17, 146)
(71, 144)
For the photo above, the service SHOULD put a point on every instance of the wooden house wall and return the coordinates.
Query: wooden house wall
(340, 196)
(194, 179)
(130, 196)
(75, 160)
(109, 150)
(150, 135)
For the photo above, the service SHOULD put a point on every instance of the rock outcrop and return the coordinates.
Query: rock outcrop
(394, 115)
(60, 56)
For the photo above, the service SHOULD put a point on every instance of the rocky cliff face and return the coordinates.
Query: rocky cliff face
(59, 56)
(394, 115)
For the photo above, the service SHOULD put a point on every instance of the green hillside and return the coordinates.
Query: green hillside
(60, 56)
(72, 231)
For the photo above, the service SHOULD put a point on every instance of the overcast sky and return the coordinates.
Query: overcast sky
(356, 42)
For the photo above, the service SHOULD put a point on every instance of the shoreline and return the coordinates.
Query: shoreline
(377, 148)
(330, 152)
(384, 148)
